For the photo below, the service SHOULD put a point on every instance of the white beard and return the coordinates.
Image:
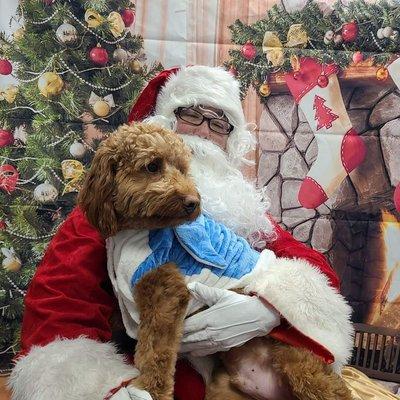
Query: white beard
(226, 195)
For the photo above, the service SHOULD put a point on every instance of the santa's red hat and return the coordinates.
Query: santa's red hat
(191, 86)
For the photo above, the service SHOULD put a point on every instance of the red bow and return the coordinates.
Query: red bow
(8, 178)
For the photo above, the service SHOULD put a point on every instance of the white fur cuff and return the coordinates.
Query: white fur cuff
(68, 369)
(303, 296)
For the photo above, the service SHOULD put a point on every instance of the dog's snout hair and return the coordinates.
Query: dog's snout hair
(140, 178)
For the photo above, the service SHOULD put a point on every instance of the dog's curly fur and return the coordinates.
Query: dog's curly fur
(139, 179)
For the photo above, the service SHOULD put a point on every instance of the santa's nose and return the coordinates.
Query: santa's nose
(203, 130)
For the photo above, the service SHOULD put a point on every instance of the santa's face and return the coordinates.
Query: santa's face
(225, 194)
(209, 123)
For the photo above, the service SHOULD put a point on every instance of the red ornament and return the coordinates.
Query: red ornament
(323, 114)
(6, 138)
(322, 81)
(3, 225)
(128, 16)
(397, 197)
(98, 55)
(358, 57)
(233, 71)
(5, 67)
(249, 51)
(350, 31)
(8, 178)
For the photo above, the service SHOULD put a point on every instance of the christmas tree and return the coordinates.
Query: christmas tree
(323, 114)
(79, 69)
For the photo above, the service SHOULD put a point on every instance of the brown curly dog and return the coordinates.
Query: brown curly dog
(139, 179)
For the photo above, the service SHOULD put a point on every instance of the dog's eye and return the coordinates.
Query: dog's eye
(153, 167)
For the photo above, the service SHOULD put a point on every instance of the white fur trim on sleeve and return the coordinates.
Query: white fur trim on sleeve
(69, 369)
(303, 296)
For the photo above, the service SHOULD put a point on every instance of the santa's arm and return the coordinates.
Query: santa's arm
(302, 286)
(66, 331)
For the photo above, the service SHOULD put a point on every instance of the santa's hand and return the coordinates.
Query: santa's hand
(231, 320)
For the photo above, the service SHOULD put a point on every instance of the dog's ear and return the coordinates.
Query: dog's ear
(96, 195)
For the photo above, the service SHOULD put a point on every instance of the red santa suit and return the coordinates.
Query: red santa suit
(67, 351)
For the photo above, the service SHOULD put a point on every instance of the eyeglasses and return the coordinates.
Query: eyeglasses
(196, 118)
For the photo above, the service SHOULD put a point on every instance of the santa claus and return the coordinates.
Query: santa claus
(67, 347)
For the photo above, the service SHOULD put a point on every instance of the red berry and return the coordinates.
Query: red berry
(6, 138)
(249, 51)
(99, 56)
(350, 31)
(323, 81)
(5, 67)
(233, 71)
(128, 16)
(357, 57)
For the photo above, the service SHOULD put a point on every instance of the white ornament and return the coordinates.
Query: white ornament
(387, 32)
(120, 55)
(394, 36)
(77, 150)
(20, 134)
(379, 33)
(45, 193)
(66, 33)
(329, 35)
(11, 262)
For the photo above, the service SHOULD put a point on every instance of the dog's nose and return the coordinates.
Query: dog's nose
(190, 203)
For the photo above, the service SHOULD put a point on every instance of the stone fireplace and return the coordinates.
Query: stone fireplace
(358, 228)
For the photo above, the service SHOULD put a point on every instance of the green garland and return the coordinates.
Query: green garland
(369, 18)
(52, 125)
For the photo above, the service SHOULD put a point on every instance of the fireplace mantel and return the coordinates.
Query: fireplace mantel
(360, 75)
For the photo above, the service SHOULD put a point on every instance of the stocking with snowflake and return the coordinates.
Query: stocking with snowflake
(316, 89)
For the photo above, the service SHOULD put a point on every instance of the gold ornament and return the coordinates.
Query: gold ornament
(136, 66)
(297, 36)
(273, 48)
(116, 22)
(295, 63)
(19, 33)
(93, 18)
(382, 74)
(9, 94)
(101, 108)
(50, 84)
(73, 171)
(101, 105)
(11, 262)
(264, 90)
